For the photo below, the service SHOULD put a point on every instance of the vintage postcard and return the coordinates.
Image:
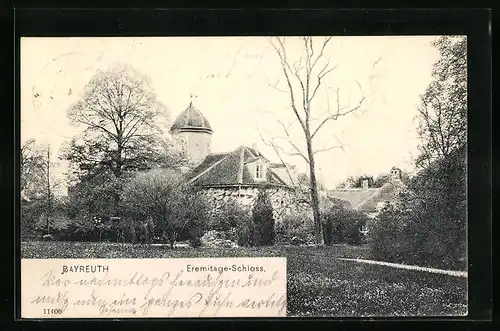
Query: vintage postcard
(316, 176)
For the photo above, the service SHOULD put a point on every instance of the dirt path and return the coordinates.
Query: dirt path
(411, 267)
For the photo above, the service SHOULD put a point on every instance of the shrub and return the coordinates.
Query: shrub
(177, 212)
(262, 215)
(226, 217)
(31, 211)
(233, 222)
(245, 231)
(342, 225)
(387, 236)
(297, 228)
(188, 217)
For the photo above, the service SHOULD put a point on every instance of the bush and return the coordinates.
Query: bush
(176, 211)
(342, 225)
(262, 216)
(227, 216)
(387, 236)
(245, 232)
(295, 229)
(188, 218)
(233, 222)
(31, 211)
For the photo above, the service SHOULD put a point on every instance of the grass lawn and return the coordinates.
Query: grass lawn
(318, 283)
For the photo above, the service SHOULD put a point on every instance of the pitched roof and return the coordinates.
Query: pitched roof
(209, 161)
(355, 196)
(388, 192)
(367, 200)
(229, 169)
(340, 202)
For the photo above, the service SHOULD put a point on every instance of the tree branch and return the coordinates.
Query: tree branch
(321, 74)
(273, 146)
(338, 114)
(290, 88)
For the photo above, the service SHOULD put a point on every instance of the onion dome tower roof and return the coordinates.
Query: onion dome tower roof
(191, 120)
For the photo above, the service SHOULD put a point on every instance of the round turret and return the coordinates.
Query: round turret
(193, 134)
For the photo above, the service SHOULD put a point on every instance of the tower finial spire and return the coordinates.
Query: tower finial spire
(191, 97)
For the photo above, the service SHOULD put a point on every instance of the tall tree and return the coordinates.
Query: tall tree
(48, 186)
(119, 111)
(31, 186)
(443, 109)
(303, 80)
(31, 168)
(38, 184)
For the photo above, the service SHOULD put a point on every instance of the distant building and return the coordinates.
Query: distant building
(237, 174)
(371, 200)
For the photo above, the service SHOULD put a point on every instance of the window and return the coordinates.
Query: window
(259, 171)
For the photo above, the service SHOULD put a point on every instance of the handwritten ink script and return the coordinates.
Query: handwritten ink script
(141, 288)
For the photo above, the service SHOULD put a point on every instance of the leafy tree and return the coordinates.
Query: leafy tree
(32, 165)
(427, 225)
(262, 215)
(383, 178)
(443, 109)
(38, 186)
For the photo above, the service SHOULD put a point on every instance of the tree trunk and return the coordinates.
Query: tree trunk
(118, 171)
(318, 231)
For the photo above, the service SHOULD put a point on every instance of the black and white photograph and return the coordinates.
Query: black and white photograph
(346, 155)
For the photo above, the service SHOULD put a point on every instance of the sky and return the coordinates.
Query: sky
(238, 84)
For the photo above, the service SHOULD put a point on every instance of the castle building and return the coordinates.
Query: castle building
(236, 174)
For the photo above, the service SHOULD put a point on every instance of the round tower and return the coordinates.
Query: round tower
(193, 132)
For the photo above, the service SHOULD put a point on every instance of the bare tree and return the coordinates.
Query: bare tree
(303, 79)
(119, 111)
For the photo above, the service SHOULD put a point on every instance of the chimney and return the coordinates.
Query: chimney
(364, 184)
(184, 170)
(395, 174)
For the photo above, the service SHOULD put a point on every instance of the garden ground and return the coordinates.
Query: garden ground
(319, 283)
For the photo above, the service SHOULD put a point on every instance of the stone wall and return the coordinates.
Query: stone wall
(283, 200)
